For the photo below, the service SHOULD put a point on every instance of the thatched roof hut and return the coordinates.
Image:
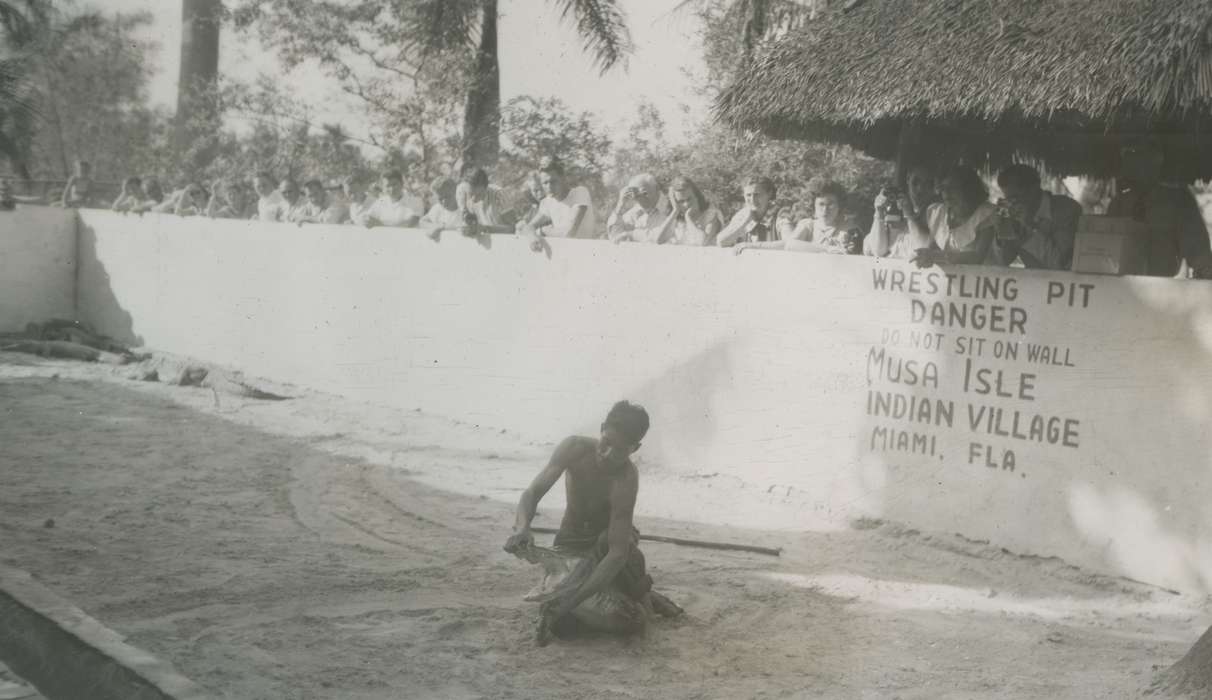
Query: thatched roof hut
(1057, 81)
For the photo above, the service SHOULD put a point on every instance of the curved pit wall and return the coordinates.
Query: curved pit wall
(1050, 413)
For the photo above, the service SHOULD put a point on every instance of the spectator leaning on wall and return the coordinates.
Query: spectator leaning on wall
(827, 231)
(483, 203)
(692, 219)
(889, 235)
(565, 211)
(78, 192)
(319, 207)
(640, 213)
(1036, 227)
(130, 196)
(356, 198)
(393, 207)
(756, 221)
(270, 204)
(444, 215)
(230, 199)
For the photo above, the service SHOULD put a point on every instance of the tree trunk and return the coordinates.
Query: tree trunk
(482, 113)
(200, 23)
(1191, 676)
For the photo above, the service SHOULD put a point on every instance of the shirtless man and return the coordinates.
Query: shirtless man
(78, 192)
(600, 483)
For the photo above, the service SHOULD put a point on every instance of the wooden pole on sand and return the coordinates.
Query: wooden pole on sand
(774, 552)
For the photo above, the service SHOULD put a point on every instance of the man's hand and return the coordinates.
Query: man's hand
(927, 257)
(371, 222)
(471, 225)
(518, 541)
(626, 199)
(674, 207)
(530, 235)
(741, 248)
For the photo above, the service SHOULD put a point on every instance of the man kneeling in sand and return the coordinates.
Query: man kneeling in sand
(606, 586)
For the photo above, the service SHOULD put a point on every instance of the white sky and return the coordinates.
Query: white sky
(539, 56)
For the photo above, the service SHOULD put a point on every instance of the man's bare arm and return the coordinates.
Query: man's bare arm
(528, 503)
(539, 220)
(618, 536)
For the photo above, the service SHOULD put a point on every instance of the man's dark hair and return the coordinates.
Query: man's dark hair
(313, 181)
(478, 178)
(761, 182)
(971, 187)
(551, 165)
(1018, 175)
(266, 175)
(629, 419)
(394, 175)
(829, 188)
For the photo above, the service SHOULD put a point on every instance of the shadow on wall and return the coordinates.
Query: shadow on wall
(97, 303)
(683, 408)
(1152, 516)
(1131, 498)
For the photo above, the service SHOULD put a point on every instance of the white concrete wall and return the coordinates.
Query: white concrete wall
(37, 265)
(756, 370)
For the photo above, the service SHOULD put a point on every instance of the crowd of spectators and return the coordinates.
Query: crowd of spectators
(932, 217)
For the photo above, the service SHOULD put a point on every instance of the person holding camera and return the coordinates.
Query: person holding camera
(640, 212)
(960, 229)
(1034, 226)
(889, 234)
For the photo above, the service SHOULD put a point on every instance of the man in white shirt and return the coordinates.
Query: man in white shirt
(319, 207)
(640, 213)
(484, 202)
(566, 212)
(292, 198)
(394, 207)
(356, 198)
(270, 205)
(444, 214)
(757, 221)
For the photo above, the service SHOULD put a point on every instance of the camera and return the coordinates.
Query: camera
(892, 206)
(1008, 228)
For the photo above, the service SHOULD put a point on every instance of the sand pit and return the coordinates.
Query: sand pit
(300, 549)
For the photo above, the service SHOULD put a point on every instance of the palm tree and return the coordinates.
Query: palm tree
(200, 23)
(23, 24)
(461, 24)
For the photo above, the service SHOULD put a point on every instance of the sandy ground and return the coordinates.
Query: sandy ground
(300, 549)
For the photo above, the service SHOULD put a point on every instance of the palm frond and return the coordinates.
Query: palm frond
(17, 99)
(22, 21)
(602, 25)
